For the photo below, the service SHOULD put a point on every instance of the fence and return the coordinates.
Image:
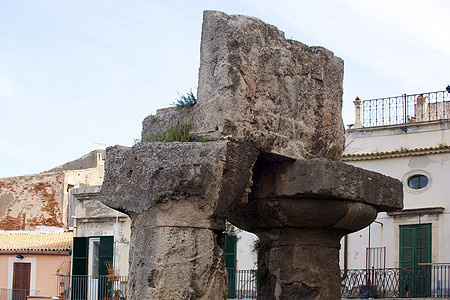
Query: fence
(14, 294)
(426, 281)
(406, 108)
(241, 284)
(80, 287)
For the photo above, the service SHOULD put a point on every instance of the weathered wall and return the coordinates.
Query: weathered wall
(42, 199)
(30, 201)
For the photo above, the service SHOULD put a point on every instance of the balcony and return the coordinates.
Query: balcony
(92, 287)
(424, 281)
(431, 106)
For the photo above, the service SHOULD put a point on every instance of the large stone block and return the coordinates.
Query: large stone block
(258, 88)
(178, 184)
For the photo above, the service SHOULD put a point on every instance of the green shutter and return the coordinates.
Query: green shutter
(415, 248)
(106, 253)
(80, 256)
(230, 264)
(80, 267)
(407, 246)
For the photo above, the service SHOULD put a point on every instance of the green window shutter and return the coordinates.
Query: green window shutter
(230, 252)
(424, 244)
(106, 253)
(80, 267)
(407, 243)
(80, 256)
(230, 264)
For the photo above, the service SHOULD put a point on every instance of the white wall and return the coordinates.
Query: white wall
(246, 257)
(434, 164)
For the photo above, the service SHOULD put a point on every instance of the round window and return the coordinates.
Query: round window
(418, 181)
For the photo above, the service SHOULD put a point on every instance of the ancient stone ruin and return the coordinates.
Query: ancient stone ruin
(270, 111)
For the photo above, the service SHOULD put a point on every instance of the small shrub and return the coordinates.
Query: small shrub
(185, 101)
(175, 133)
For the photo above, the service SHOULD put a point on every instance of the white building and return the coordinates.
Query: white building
(408, 138)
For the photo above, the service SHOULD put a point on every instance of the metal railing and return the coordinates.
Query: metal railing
(429, 106)
(425, 281)
(14, 294)
(241, 284)
(81, 287)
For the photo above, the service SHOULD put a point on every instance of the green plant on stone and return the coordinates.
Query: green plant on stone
(262, 249)
(175, 133)
(334, 153)
(185, 101)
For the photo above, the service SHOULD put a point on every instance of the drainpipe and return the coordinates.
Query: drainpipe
(345, 256)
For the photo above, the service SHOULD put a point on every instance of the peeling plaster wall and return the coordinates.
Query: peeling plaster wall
(32, 200)
(42, 199)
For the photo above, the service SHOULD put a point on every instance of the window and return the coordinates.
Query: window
(418, 181)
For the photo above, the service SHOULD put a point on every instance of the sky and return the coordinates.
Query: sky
(82, 75)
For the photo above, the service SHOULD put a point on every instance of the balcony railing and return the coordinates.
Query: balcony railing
(78, 287)
(425, 281)
(429, 106)
(14, 294)
(241, 284)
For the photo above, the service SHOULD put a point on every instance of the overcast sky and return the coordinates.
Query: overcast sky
(81, 75)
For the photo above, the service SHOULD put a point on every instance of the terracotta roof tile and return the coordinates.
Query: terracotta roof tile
(396, 153)
(36, 241)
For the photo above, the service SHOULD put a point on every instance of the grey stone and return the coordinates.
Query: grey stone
(271, 107)
(300, 210)
(178, 196)
(258, 88)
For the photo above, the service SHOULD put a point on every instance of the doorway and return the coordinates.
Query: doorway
(21, 280)
(415, 249)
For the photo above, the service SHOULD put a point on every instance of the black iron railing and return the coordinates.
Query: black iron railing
(78, 287)
(406, 108)
(241, 284)
(15, 294)
(425, 281)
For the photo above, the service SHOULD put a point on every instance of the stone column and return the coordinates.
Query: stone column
(302, 264)
(178, 196)
(300, 210)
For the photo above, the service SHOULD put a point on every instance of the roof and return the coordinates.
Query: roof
(396, 153)
(36, 241)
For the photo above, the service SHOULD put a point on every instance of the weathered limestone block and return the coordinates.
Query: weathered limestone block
(178, 196)
(300, 210)
(258, 88)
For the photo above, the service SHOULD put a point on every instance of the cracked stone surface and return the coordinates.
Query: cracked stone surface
(178, 196)
(256, 87)
(270, 107)
(300, 210)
